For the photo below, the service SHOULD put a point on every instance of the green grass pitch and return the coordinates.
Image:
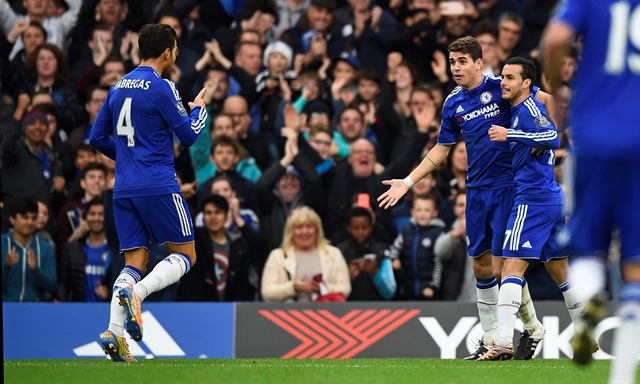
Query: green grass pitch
(279, 371)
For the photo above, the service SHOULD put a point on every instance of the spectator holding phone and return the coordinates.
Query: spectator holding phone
(291, 272)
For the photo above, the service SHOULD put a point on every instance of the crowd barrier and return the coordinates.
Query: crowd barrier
(254, 330)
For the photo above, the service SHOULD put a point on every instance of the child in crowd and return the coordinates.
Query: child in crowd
(363, 254)
(419, 268)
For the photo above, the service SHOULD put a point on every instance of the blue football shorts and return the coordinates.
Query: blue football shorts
(605, 195)
(487, 214)
(143, 221)
(532, 230)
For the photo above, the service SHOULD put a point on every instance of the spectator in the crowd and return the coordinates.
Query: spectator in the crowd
(29, 166)
(28, 262)
(271, 82)
(202, 157)
(486, 32)
(253, 142)
(122, 17)
(48, 71)
(416, 40)
(94, 100)
(223, 186)
(84, 154)
(13, 71)
(343, 87)
(419, 268)
(84, 269)
(289, 183)
(363, 253)
(289, 12)
(256, 15)
(56, 138)
(401, 212)
(93, 182)
(458, 281)
(100, 47)
(492, 9)
(570, 64)
(316, 35)
(371, 29)
(291, 270)
(43, 225)
(189, 46)
(222, 272)
(57, 27)
(453, 177)
(225, 154)
(510, 27)
(108, 74)
(356, 175)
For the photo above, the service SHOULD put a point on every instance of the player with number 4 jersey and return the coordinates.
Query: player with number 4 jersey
(144, 111)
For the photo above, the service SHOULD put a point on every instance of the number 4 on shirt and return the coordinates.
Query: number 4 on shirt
(125, 125)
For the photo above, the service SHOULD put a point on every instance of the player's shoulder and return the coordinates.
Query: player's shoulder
(454, 96)
(533, 110)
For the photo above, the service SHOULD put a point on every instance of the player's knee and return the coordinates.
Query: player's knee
(482, 270)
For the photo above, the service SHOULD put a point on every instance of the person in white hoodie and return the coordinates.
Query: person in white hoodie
(57, 27)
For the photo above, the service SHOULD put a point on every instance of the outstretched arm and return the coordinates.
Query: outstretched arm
(398, 187)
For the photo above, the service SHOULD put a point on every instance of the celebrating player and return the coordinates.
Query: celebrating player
(537, 214)
(144, 110)
(471, 108)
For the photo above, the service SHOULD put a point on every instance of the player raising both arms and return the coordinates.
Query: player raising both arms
(144, 110)
(471, 108)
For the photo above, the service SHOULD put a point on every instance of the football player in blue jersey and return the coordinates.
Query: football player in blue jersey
(471, 108)
(144, 110)
(606, 135)
(537, 215)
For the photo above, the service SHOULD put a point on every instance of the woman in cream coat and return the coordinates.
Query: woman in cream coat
(289, 272)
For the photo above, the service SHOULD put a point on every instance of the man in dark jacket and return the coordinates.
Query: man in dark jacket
(29, 166)
(223, 270)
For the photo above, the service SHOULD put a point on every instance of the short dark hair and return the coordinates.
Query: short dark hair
(224, 178)
(37, 24)
(95, 87)
(218, 201)
(368, 74)
(426, 196)
(22, 206)
(467, 45)
(91, 203)
(224, 140)
(93, 167)
(528, 68)
(358, 212)
(486, 27)
(154, 39)
(84, 147)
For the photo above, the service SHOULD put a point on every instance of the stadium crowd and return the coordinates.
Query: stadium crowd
(312, 103)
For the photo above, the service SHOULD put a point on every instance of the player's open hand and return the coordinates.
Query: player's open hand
(199, 100)
(392, 196)
(497, 133)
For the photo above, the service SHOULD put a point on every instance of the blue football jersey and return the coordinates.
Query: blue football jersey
(603, 128)
(143, 111)
(531, 127)
(473, 112)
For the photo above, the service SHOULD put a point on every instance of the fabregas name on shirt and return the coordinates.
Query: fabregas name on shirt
(488, 111)
(133, 83)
